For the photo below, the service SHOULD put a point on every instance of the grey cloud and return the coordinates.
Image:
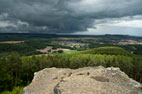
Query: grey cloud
(64, 16)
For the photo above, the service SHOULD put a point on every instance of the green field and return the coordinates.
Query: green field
(69, 52)
(66, 52)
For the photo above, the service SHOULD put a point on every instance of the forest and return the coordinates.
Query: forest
(17, 71)
(19, 61)
(27, 48)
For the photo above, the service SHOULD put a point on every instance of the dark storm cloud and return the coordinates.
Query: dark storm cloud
(63, 16)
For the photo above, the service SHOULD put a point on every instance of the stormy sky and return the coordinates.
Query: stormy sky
(71, 16)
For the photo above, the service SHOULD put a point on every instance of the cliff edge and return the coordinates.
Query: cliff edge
(88, 80)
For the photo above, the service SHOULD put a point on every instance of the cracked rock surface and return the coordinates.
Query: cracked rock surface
(89, 80)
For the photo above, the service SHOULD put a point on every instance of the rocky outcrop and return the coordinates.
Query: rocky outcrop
(96, 80)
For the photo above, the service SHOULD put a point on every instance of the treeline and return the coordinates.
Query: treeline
(18, 71)
(134, 48)
(108, 51)
(22, 48)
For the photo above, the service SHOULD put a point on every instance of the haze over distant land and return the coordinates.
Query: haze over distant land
(91, 17)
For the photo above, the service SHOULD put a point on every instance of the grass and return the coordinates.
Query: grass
(16, 90)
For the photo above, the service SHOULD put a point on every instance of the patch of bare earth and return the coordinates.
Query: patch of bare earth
(12, 42)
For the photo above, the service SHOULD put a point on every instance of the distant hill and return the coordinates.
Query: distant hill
(27, 36)
(24, 36)
(119, 37)
(107, 51)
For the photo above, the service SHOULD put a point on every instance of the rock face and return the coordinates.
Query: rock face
(96, 80)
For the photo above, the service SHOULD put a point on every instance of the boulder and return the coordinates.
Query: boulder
(88, 80)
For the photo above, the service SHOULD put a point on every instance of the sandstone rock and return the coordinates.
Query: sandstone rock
(96, 80)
